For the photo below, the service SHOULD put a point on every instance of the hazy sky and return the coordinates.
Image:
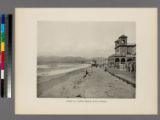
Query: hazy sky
(84, 39)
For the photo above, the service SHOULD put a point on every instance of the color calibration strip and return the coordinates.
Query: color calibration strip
(9, 56)
(6, 55)
(2, 53)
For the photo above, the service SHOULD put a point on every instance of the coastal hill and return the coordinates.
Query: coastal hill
(67, 59)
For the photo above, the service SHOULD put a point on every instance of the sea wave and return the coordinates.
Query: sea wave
(60, 71)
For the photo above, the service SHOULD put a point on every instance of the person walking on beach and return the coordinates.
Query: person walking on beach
(86, 73)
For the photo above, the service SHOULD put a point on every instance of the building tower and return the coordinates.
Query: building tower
(121, 45)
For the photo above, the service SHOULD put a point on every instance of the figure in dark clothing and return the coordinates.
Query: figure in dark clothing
(86, 73)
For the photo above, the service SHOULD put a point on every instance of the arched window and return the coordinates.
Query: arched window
(117, 60)
(123, 41)
(123, 60)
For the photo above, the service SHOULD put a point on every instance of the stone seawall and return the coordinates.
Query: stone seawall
(128, 77)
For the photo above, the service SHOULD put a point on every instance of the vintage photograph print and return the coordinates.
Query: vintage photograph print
(86, 59)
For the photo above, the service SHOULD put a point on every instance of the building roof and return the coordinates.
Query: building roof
(123, 36)
(121, 56)
(114, 55)
(129, 45)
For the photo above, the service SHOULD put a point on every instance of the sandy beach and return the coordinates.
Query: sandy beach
(73, 84)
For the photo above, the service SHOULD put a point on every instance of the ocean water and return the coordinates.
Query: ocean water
(50, 70)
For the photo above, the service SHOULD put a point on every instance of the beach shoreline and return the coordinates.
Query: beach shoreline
(97, 84)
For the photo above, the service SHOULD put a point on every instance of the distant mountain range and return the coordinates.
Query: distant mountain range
(67, 59)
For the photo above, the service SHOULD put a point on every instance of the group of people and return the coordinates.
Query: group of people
(131, 67)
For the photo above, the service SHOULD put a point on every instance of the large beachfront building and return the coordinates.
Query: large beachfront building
(124, 58)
